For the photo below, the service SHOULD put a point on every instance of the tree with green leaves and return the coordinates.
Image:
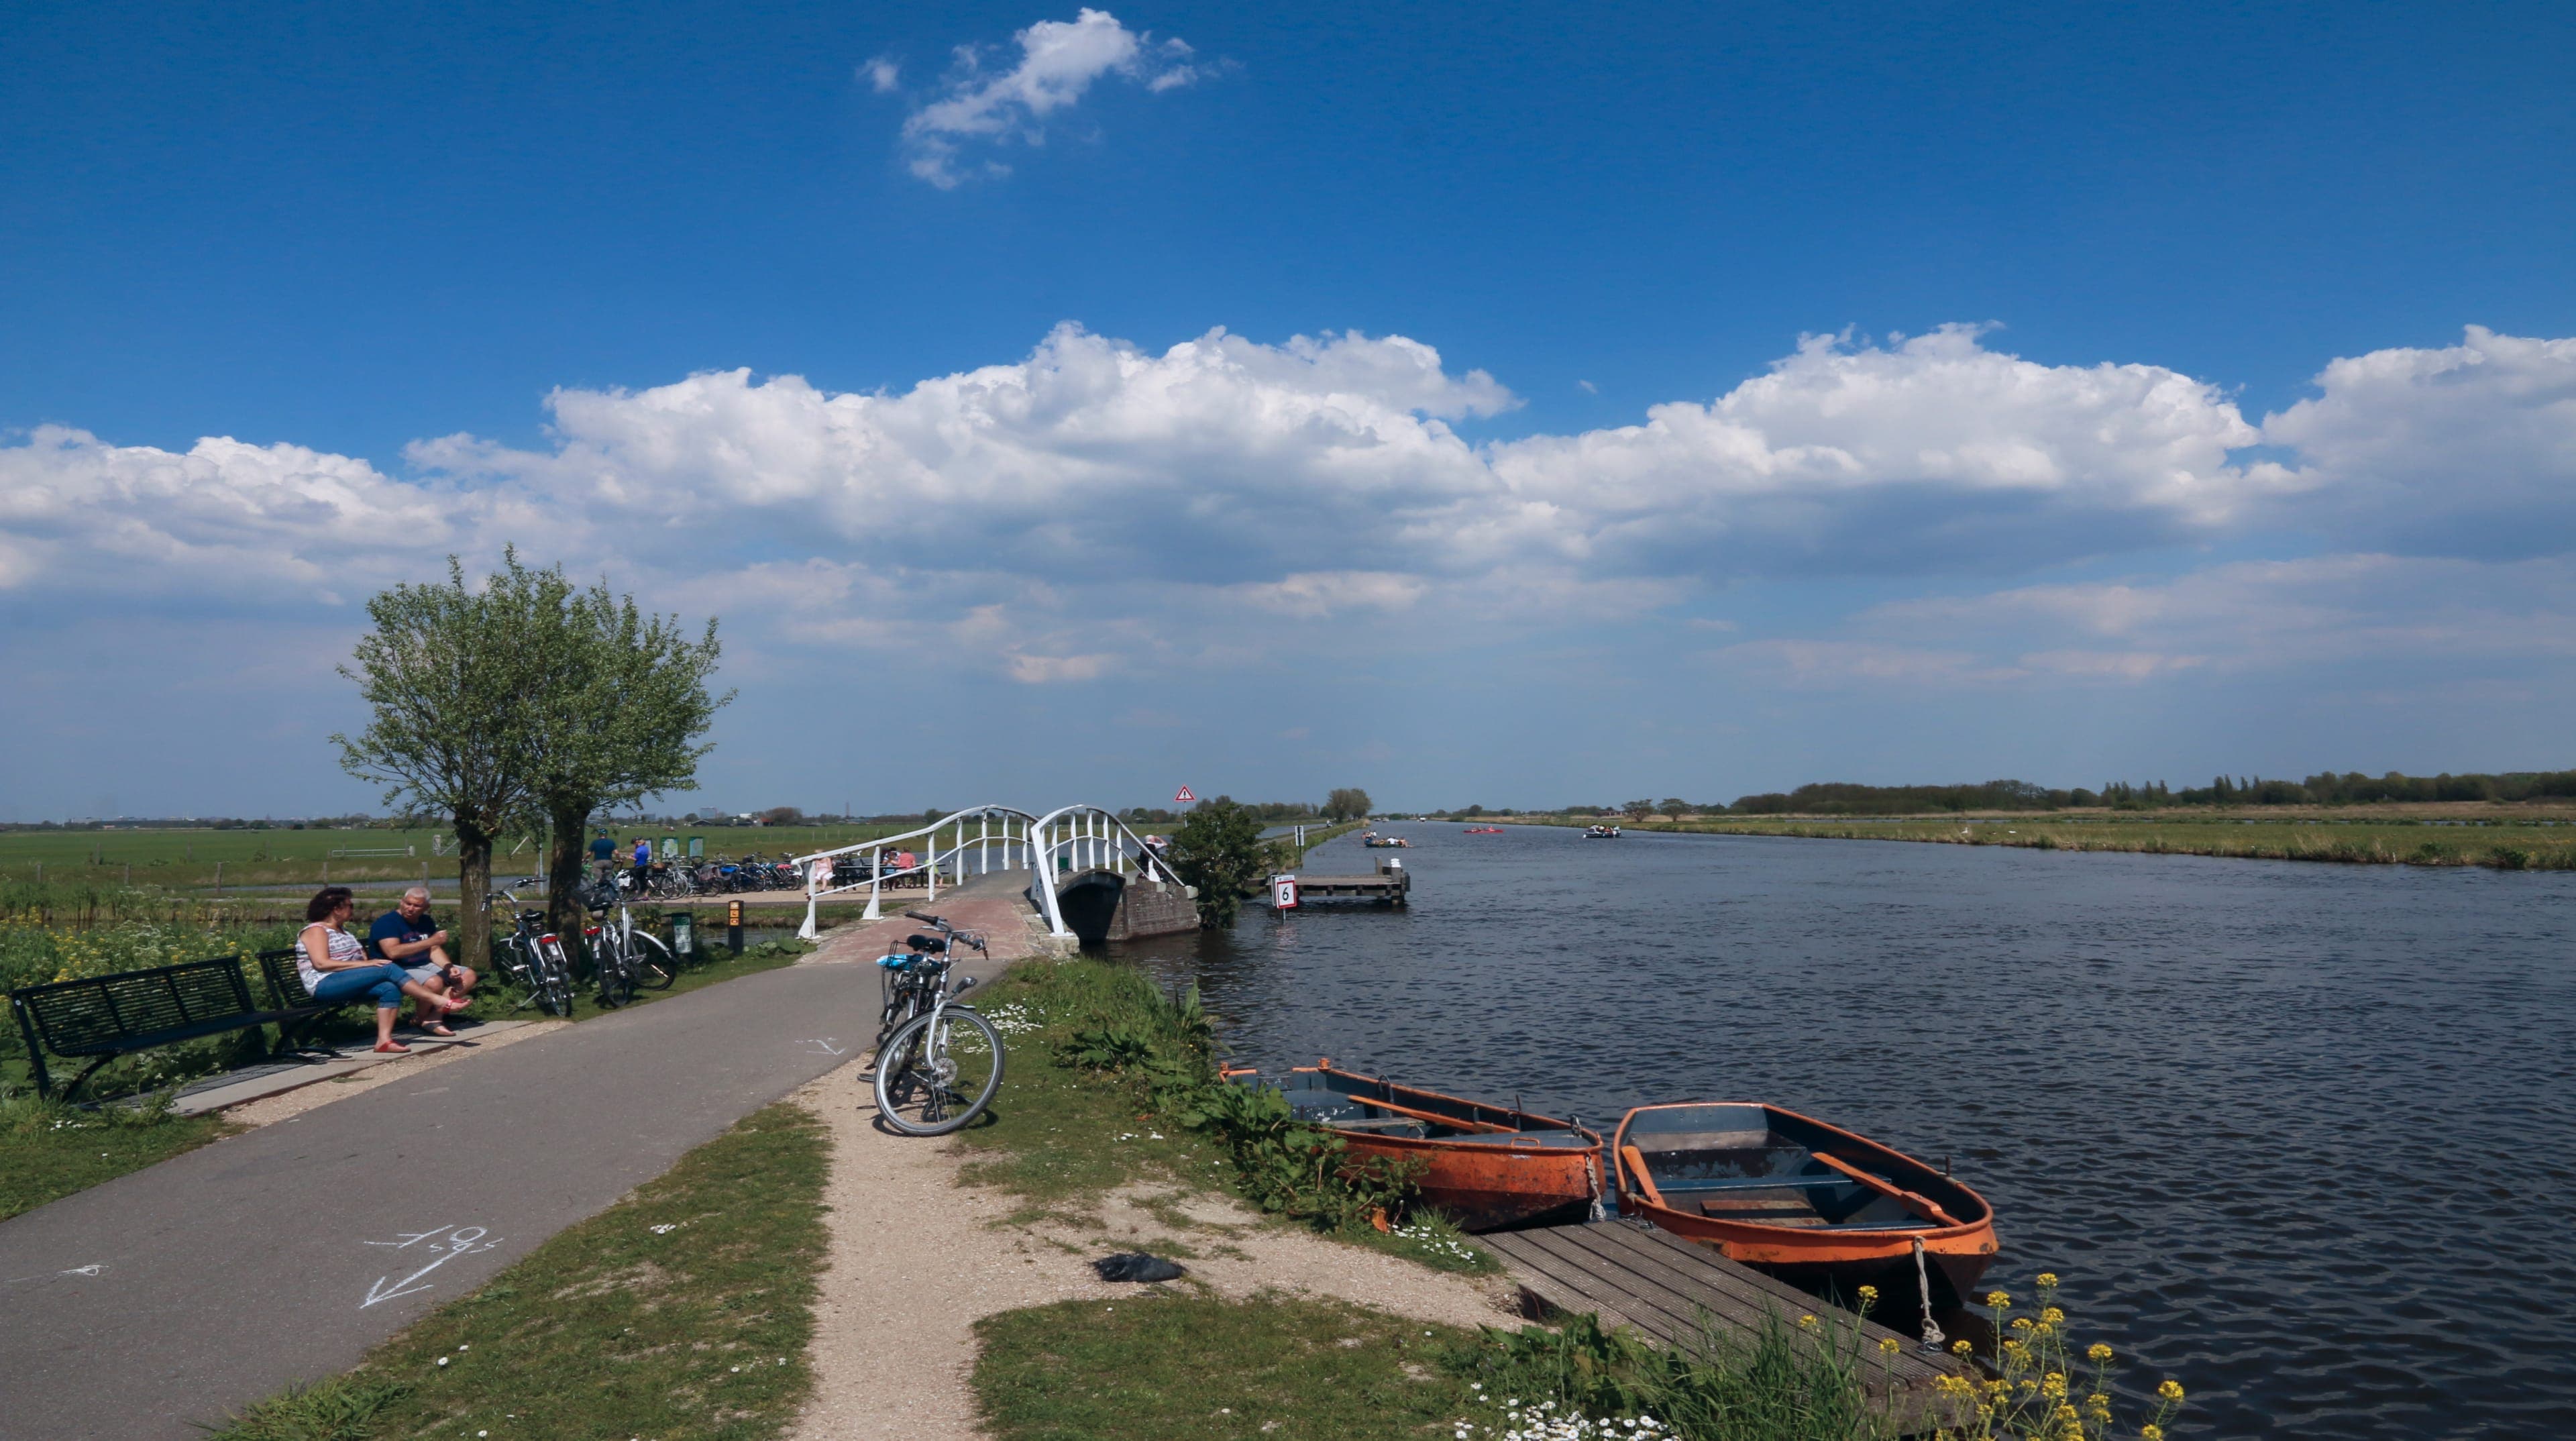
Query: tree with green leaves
(1637, 810)
(1673, 806)
(1350, 803)
(623, 712)
(453, 676)
(1218, 850)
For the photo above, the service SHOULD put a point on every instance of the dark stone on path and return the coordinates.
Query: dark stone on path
(1136, 1266)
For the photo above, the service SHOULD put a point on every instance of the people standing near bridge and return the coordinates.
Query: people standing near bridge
(408, 937)
(335, 966)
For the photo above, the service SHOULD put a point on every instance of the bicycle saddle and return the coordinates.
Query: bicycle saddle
(931, 944)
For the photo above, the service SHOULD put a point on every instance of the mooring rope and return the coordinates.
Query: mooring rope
(1923, 1288)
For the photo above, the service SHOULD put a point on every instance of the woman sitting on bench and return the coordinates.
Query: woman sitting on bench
(336, 967)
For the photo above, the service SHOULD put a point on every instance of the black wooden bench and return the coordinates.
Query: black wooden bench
(104, 1017)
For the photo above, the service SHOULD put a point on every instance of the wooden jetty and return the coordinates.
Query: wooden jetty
(1390, 886)
(1673, 1293)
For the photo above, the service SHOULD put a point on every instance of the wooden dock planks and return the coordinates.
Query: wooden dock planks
(1672, 1291)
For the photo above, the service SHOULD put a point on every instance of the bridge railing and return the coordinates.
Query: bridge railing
(1089, 838)
(1001, 839)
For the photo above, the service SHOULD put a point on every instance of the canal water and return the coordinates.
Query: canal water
(2302, 1137)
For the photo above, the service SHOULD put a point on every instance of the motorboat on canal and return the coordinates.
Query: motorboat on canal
(1488, 1166)
(1601, 833)
(1811, 1203)
(1484, 830)
(1374, 841)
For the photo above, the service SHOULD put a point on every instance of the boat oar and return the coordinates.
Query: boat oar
(1635, 1164)
(1919, 1204)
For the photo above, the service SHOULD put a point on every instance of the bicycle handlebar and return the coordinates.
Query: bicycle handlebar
(926, 920)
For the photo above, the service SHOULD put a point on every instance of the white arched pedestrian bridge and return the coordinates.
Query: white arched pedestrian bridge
(1064, 851)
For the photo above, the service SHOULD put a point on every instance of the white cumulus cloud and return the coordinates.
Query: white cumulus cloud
(1059, 62)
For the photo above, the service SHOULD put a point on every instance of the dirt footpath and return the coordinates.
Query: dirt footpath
(917, 1259)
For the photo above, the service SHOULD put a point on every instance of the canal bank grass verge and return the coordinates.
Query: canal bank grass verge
(2499, 844)
(1181, 1367)
(1114, 1084)
(681, 1313)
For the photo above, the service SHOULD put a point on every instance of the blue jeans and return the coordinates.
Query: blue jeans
(384, 982)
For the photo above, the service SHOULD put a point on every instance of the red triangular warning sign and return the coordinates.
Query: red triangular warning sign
(1184, 798)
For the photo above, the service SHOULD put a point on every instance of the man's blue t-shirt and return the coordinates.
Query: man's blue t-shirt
(602, 848)
(395, 926)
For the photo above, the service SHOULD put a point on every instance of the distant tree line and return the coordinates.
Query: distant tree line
(2326, 788)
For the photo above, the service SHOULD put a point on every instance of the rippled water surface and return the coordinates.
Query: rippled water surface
(2302, 1136)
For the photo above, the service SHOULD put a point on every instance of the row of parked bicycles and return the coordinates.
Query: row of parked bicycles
(713, 876)
(624, 958)
(938, 1062)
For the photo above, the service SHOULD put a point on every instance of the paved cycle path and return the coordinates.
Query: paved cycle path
(162, 1298)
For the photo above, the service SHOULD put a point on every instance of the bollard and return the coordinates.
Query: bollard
(733, 926)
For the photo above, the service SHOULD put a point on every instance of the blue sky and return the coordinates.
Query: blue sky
(1694, 400)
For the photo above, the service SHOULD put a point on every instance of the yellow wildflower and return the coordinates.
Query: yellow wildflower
(2052, 1315)
(1887, 1344)
(2151, 1432)
(2023, 1323)
(2170, 1391)
(1960, 1348)
(1998, 1299)
(1807, 1321)
(1868, 1295)
(2099, 1353)
(2048, 1278)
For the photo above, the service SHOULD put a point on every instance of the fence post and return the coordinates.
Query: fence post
(219, 876)
(876, 868)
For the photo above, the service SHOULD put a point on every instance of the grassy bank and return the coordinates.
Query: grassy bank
(2503, 842)
(48, 1150)
(1181, 1367)
(681, 1313)
(1113, 1082)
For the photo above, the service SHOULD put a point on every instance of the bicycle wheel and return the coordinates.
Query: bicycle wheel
(939, 1072)
(613, 971)
(649, 963)
(554, 978)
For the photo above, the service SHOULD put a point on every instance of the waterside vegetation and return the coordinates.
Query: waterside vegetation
(2513, 843)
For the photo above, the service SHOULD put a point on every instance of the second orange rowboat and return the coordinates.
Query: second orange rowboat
(1811, 1203)
(1487, 1166)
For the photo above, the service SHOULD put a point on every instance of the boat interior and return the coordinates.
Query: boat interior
(1760, 1166)
(1357, 1103)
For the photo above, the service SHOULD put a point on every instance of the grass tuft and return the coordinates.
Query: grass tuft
(1168, 1367)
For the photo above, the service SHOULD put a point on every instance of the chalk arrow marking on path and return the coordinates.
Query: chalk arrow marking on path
(461, 1241)
(827, 1047)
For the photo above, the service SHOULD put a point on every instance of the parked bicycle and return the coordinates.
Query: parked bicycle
(938, 1062)
(624, 957)
(532, 956)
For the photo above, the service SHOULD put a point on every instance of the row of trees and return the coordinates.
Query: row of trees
(1834, 798)
(527, 703)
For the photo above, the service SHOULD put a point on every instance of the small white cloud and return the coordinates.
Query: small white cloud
(1059, 63)
(883, 74)
(1049, 669)
(1587, 387)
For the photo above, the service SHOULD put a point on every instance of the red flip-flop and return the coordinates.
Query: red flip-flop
(392, 1048)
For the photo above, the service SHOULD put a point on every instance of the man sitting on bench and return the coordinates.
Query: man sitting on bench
(407, 937)
(335, 966)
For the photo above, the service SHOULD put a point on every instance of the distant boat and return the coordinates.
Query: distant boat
(1378, 842)
(1809, 1202)
(1601, 833)
(1484, 830)
(1487, 1166)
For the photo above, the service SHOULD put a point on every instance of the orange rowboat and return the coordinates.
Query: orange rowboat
(1487, 1166)
(1811, 1203)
